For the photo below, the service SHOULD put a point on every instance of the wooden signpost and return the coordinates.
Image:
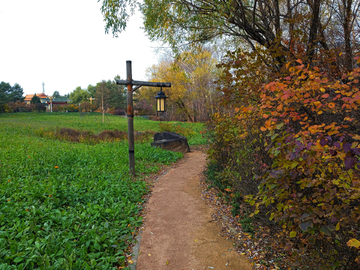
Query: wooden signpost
(130, 110)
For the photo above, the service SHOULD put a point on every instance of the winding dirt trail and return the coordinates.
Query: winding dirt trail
(179, 233)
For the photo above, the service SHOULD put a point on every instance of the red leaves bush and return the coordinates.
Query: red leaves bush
(311, 129)
(292, 147)
(18, 106)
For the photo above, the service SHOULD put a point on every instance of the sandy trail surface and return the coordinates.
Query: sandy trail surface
(179, 231)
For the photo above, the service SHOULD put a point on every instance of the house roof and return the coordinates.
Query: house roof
(29, 97)
(57, 99)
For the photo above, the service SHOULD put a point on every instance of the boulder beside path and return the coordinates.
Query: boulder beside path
(171, 141)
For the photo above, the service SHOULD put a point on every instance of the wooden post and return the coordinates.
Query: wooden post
(130, 117)
(130, 110)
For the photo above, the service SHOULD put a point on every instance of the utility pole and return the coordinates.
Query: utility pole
(130, 110)
(51, 98)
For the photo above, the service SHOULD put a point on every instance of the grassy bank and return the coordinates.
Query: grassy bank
(33, 122)
(67, 205)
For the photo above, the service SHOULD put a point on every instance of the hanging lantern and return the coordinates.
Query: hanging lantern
(160, 101)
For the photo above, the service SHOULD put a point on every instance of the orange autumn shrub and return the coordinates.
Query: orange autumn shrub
(289, 144)
(311, 126)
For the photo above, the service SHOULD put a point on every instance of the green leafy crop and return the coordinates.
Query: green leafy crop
(67, 205)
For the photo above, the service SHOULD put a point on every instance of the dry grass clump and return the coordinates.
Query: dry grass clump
(111, 135)
(73, 135)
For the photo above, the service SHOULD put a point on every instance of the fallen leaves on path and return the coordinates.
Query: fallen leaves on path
(254, 247)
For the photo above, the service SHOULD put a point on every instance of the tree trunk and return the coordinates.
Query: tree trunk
(182, 106)
(291, 27)
(347, 34)
(315, 6)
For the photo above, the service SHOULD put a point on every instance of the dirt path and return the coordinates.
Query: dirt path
(179, 232)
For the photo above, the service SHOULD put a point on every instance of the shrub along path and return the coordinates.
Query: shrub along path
(179, 232)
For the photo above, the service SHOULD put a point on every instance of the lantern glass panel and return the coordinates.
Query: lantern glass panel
(162, 103)
(158, 104)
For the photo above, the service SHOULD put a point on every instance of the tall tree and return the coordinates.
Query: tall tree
(56, 94)
(10, 93)
(16, 93)
(113, 96)
(79, 95)
(280, 26)
(4, 93)
(91, 89)
(192, 92)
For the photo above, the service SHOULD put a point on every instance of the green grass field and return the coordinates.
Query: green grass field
(67, 205)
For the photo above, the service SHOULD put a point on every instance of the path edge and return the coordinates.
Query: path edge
(135, 252)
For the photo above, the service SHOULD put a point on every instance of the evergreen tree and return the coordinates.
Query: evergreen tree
(10, 93)
(114, 96)
(56, 94)
(35, 100)
(79, 95)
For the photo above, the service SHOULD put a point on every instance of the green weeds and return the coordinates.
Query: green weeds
(193, 132)
(69, 205)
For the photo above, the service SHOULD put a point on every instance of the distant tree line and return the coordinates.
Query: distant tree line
(104, 94)
(9, 94)
(56, 94)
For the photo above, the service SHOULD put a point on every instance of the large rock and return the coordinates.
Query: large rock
(171, 141)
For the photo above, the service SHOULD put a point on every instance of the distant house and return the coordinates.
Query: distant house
(46, 100)
(57, 101)
(42, 97)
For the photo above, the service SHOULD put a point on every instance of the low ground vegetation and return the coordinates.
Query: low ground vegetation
(19, 106)
(71, 205)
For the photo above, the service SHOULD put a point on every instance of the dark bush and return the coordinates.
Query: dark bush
(40, 107)
(118, 112)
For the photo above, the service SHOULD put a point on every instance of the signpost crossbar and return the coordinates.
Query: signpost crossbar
(152, 84)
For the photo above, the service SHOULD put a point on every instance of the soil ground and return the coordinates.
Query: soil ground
(179, 231)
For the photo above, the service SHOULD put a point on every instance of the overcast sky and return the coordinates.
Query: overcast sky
(63, 44)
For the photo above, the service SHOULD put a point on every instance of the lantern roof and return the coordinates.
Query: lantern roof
(161, 94)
